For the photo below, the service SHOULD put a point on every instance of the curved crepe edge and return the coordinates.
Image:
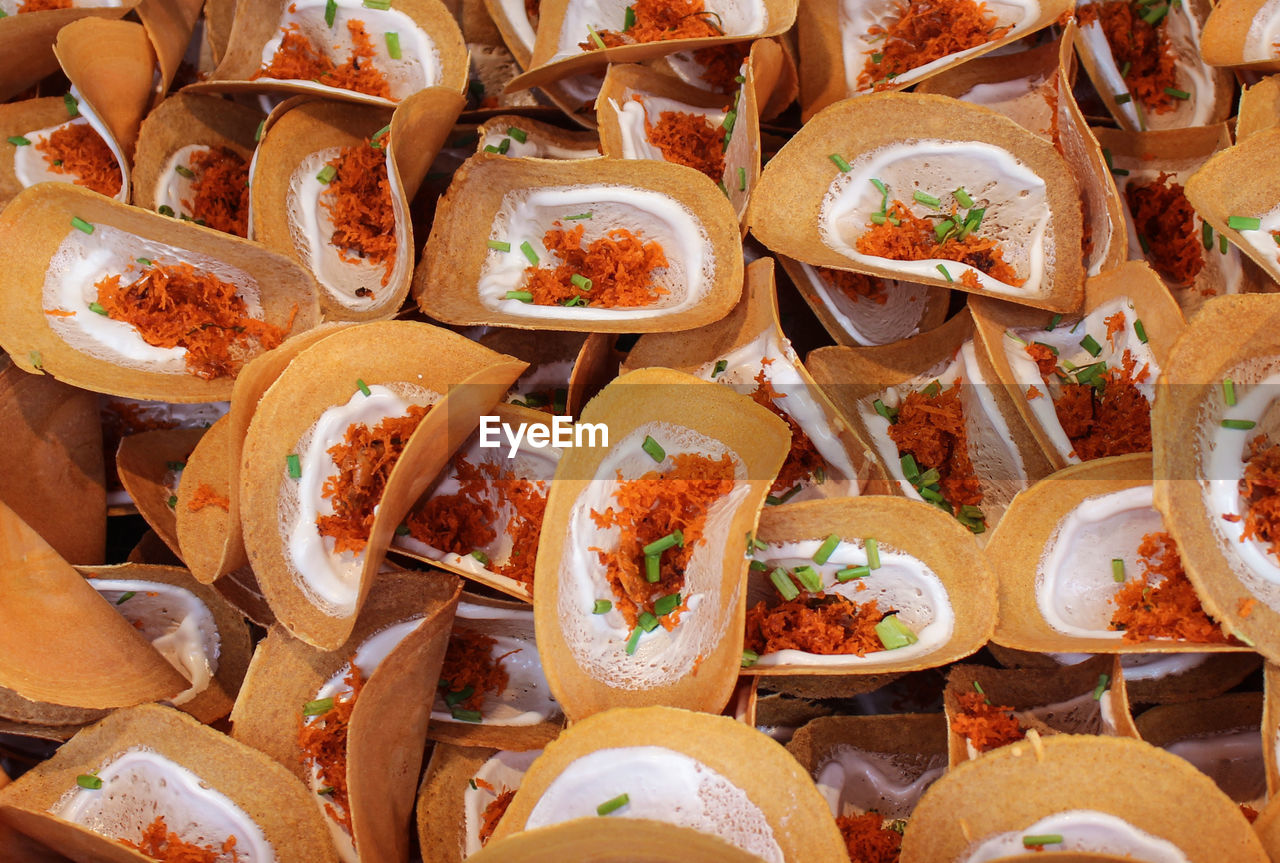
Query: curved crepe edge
(27, 43)
(1190, 382)
(773, 780)
(1169, 723)
(1222, 41)
(205, 534)
(276, 801)
(259, 20)
(469, 378)
(1022, 538)
(541, 68)
(755, 314)
(183, 119)
(757, 437)
(824, 79)
(819, 687)
(787, 204)
(142, 461)
(919, 529)
(21, 118)
(1152, 303)
(170, 26)
(573, 139)
(612, 840)
(1259, 107)
(39, 219)
(240, 588)
(1010, 788)
(899, 734)
(1040, 61)
(112, 65)
(440, 817)
(445, 282)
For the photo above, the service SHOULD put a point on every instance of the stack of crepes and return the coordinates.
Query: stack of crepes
(541, 430)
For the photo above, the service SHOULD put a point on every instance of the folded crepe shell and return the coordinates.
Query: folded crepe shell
(1219, 191)
(1055, 551)
(1241, 33)
(1259, 107)
(170, 27)
(563, 24)
(150, 465)
(835, 46)
(565, 368)
(619, 840)
(52, 431)
(824, 687)
(517, 488)
(1149, 323)
(749, 343)
(44, 655)
(931, 576)
(808, 207)
(772, 62)
(780, 715)
(523, 715)
(462, 280)
(1140, 158)
(293, 212)
(430, 43)
(1103, 781)
(182, 127)
(1003, 451)
(22, 717)
(541, 140)
(1209, 90)
(48, 326)
(587, 664)
(1236, 580)
(26, 42)
(23, 165)
(873, 763)
(635, 98)
(397, 644)
(1021, 85)
(1221, 737)
(314, 592)
(175, 768)
(670, 760)
(152, 550)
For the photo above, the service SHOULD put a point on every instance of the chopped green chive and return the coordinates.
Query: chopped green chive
(666, 604)
(575, 217)
(325, 791)
(393, 46)
(934, 387)
(294, 464)
(165, 210)
(629, 18)
(452, 698)
(473, 785)
(575, 301)
(884, 410)
(819, 475)
(658, 546)
(808, 577)
(634, 640)
(601, 606)
(877, 56)
(522, 296)
(504, 145)
(402, 530)
(315, 708)
(580, 282)
(146, 262)
(1154, 15)
(1176, 93)
(363, 387)
(126, 596)
(1124, 70)
(962, 198)
(72, 106)
(1046, 838)
(595, 37)
(1090, 344)
(653, 448)
(88, 780)
(481, 556)
(652, 568)
(19, 141)
(1103, 680)
(878, 218)
(172, 501)
(893, 633)
(647, 621)
(375, 140)
(380, 5)
(499, 245)
(621, 800)
(1243, 223)
(785, 586)
(945, 274)
(742, 179)
(825, 550)
(749, 658)
(759, 566)
(840, 162)
(262, 125)
(926, 199)
(529, 252)
(460, 713)
(184, 171)
(97, 309)
(1117, 569)
(1229, 392)
(1053, 322)
(852, 572)
(873, 552)
(943, 228)
(730, 120)
(330, 11)
(1239, 425)
(910, 469)
(773, 500)
(1206, 235)
(81, 225)
(519, 134)
(1222, 243)
(1139, 330)
(327, 173)
(1123, 98)
(721, 365)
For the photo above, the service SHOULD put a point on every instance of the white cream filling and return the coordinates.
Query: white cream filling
(518, 18)
(82, 260)
(419, 66)
(527, 214)
(868, 322)
(175, 621)
(735, 17)
(1015, 198)
(632, 115)
(857, 781)
(527, 698)
(597, 642)
(138, 785)
(1018, 97)
(536, 146)
(29, 165)
(1232, 759)
(1262, 40)
(331, 580)
(1261, 240)
(796, 401)
(505, 770)
(191, 415)
(856, 17)
(1143, 666)
(1081, 830)
(172, 188)
(661, 785)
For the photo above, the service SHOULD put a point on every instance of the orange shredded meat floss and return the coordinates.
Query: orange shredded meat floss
(323, 741)
(620, 267)
(206, 495)
(178, 306)
(931, 429)
(364, 460)
(493, 813)
(77, 149)
(1162, 603)
(803, 460)
(44, 5)
(914, 239)
(220, 191)
(651, 507)
(660, 20)
(855, 286)
(160, 844)
(984, 725)
(924, 31)
(469, 663)
(1115, 420)
(1260, 488)
(687, 139)
(298, 59)
(1166, 222)
(868, 840)
(827, 624)
(358, 201)
(722, 65)
(1144, 48)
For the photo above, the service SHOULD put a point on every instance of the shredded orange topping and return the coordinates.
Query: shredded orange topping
(924, 31)
(1260, 488)
(1115, 324)
(654, 506)
(178, 306)
(1033, 393)
(822, 623)
(159, 844)
(1113, 421)
(985, 725)
(722, 65)
(619, 265)
(932, 430)
(1166, 224)
(358, 200)
(868, 840)
(1046, 360)
(469, 663)
(1246, 606)
(493, 813)
(1143, 48)
(44, 5)
(660, 20)
(913, 239)
(1250, 814)
(207, 495)
(803, 460)
(687, 139)
(1162, 603)
(77, 149)
(298, 59)
(364, 460)
(323, 741)
(856, 286)
(220, 191)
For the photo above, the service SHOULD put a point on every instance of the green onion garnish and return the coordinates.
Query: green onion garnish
(1239, 425)
(481, 556)
(884, 410)
(1140, 330)
(315, 708)
(460, 713)
(773, 500)
(519, 134)
(647, 621)
(852, 572)
(19, 141)
(758, 566)
(945, 274)
(1123, 98)
(380, 5)
(88, 780)
(729, 121)
(146, 262)
(1090, 344)
(601, 606)
(580, 282)
(595, 37)
(1103, 680)
(1229, 392)
(165, 210)
(500, 245)
(522, 296)
(81, 225)
(126, 596)
(785, 586)
(840, 162)
(658, 546)
(934, 387)
(926, 199)
(749, 658)
(72, 106)
(629, 18)
(294, 464)
(742, 179)
(363, 387)
(586, 215)
(97, 309)
(1124, 70)
(262, 125)
(808, 577)
(330, 10)
(910, 469)
(1222, 243)
(173, 501)
(873, 552)
(652, 568)
(1156, 13)
(184, 171)
(943, 228)
(721, 365)
(653, 448)
(402, 530)
(1053, 322)
(1206, 235)
(1117, 569)
(1243, 223)
(621, 800)
(825, 550)
(634, 640)
(1046, 838)
(490, 148)
(452, 698)
(962, 198)
(1176, 93)
(327, 173)
(529, 252)
(393, 46)
(666, 604)
(893, 633)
